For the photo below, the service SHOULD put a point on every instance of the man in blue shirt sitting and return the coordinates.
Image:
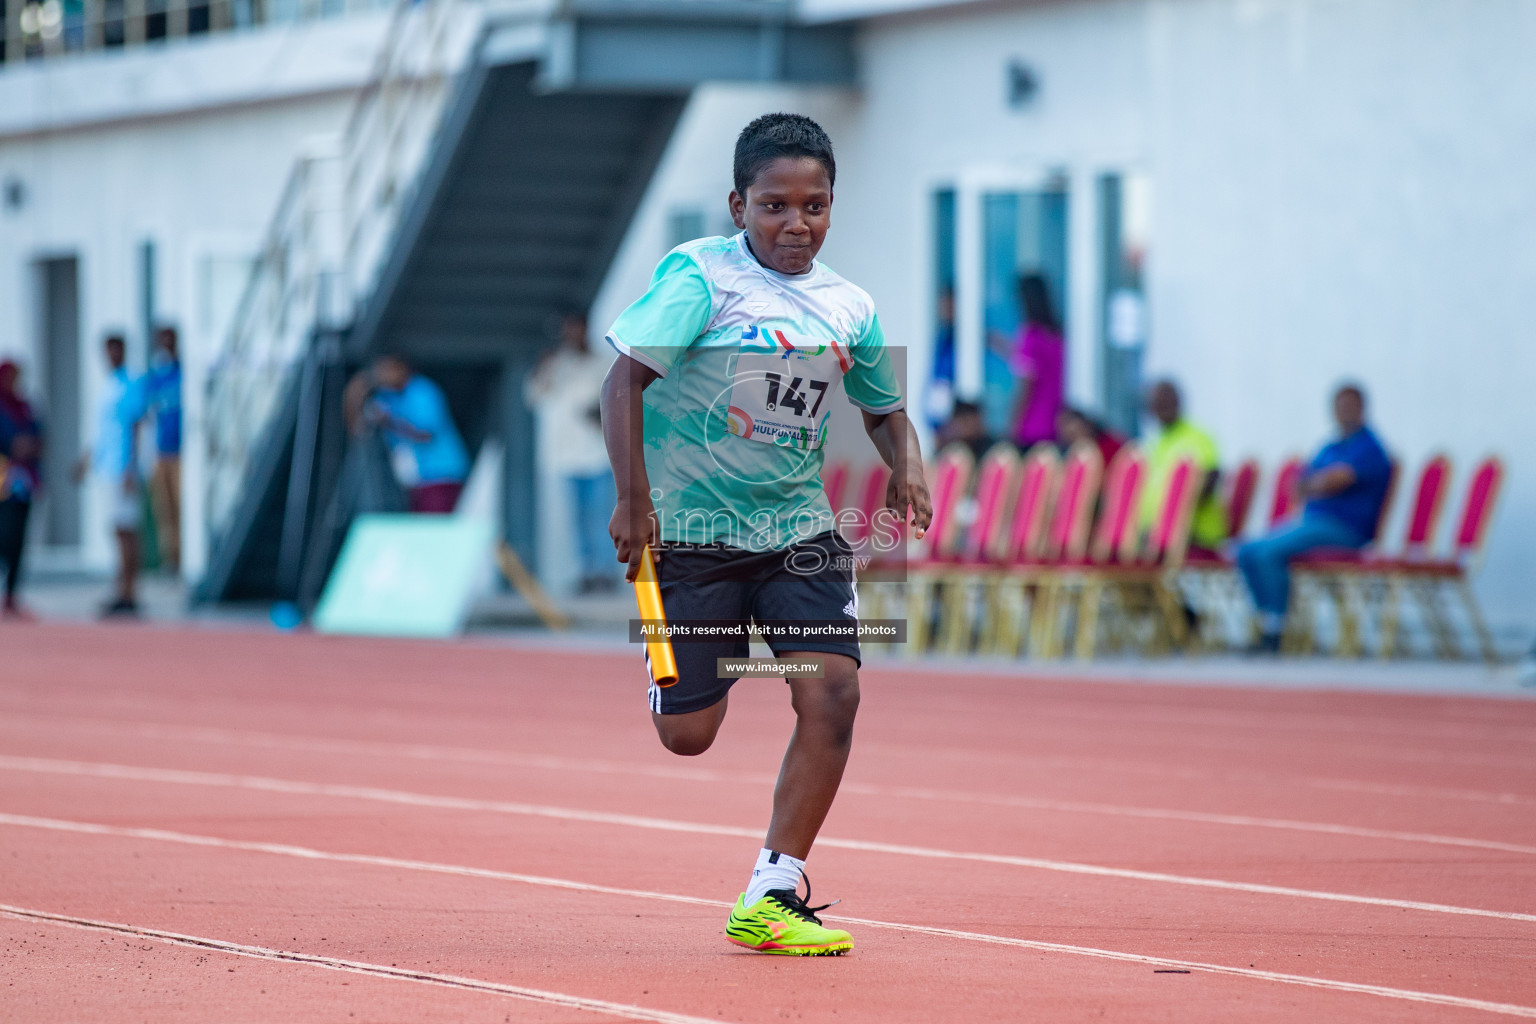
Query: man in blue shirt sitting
(1345, 488)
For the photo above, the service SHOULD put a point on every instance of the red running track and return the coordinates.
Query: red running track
(202, 825)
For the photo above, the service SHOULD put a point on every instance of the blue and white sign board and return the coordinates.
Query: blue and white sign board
(405, 575)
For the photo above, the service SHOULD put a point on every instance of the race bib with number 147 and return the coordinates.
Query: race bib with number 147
(780, 394)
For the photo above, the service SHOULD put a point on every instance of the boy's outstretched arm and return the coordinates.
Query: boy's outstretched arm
(634, 519)
(896, 440)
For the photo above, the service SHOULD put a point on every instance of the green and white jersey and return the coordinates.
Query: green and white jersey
(750, 361)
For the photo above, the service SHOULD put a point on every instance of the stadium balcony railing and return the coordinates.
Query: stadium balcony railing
(51, 29)
(328, 239)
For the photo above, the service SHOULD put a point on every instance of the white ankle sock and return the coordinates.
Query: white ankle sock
(773, 871)
(1271, 623)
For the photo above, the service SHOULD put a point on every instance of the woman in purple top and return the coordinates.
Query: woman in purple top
(1040, 361)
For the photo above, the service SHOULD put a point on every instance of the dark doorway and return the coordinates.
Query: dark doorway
(59, 349)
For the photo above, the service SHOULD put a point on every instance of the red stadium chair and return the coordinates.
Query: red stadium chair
(1113, 539)
(834, 480)
(1241, 487)
(1211, 575)
(1286, 500)
(941, 546)
(1430, 580)
(1140, 576)
(1330, 575)
(870, 501)
(1022, 538)
(857, 526)
(1064, 506)
(986, 537)
(1116, 535)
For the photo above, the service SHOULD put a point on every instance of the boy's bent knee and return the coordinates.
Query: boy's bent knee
(689, 734)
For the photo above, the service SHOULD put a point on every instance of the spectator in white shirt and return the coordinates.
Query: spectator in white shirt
(565, 390)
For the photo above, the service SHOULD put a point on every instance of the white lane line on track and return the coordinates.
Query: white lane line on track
(600, 1006)
(283, 849)
(425, 752)
(419, 752)
(269, 785)
(1198, 817)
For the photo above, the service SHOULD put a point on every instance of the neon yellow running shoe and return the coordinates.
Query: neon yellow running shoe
(781, 923)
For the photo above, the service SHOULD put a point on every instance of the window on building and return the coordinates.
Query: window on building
(989, 232)
(1024, 231)
(1124, 204)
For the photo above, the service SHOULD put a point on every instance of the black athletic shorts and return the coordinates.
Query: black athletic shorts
(812, 580)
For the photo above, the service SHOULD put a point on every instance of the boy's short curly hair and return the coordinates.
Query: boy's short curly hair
(775, 135)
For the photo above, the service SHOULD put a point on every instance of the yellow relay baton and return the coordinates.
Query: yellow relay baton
(658, 649)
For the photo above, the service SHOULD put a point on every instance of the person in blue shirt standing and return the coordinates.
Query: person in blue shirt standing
(1345, 488)
(114, 457)
(424, 444)
(162, 391)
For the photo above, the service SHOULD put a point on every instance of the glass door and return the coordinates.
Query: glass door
(1125, 217)
(991, 230)
(1024, 235)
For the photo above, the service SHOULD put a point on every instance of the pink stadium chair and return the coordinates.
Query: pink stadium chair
(1065, 541)
(1066, 531)
(948, 479)
(1142, 575)
(871, 501)
(1213, 582)
(1430, 579)
(985, 541)
(1022, 543)
(1332, 575)
(1116, 535)
(858, 529)
(1037, 492)
(1286, 501)
(834, 479)
(1242, 485)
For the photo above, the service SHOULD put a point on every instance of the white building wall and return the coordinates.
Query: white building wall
(188, 146)
(1342, 190)
(1339, 188)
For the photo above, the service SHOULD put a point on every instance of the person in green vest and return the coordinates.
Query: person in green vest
(1177, 439)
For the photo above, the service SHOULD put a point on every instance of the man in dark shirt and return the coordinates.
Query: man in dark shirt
(1345, 488)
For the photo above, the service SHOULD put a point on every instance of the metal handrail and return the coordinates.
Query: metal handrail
(327, 239)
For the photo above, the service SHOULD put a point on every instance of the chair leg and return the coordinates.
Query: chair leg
(1351, 644)
(1167, 597)
(1441, 632)
(1088, 602)
(1479, 627)
(1043, 618)
(1299, 633)
(954, 620)
(1010, 609)
(986, 615)
(1391, 607)
(917, 615)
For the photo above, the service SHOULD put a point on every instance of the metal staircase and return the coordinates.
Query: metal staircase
(484, 183)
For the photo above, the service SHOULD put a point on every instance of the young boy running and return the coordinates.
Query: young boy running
(715, 413)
